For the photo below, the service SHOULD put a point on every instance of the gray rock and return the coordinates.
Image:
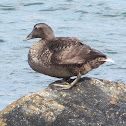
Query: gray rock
(92, 102)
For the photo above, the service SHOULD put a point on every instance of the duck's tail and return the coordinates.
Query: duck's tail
(109, 60)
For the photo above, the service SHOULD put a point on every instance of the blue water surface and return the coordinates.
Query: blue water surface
(100, 24)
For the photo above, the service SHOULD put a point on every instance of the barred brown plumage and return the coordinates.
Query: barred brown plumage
(61, 57)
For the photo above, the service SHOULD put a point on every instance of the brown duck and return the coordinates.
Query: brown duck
(61, 57)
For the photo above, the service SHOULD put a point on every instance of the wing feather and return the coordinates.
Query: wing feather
(72, 51)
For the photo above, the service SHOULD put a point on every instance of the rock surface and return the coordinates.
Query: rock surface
(92, 102)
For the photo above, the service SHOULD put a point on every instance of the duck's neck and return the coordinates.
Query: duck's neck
(49, 39)
(48, 36)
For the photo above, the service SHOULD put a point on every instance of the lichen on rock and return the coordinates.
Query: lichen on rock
(91, 102)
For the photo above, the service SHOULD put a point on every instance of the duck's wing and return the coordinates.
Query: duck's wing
(72, 51)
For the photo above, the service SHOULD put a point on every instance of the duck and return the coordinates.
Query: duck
(62, 57)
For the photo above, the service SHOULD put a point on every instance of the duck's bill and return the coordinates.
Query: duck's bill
(26, 39)
(30, 36)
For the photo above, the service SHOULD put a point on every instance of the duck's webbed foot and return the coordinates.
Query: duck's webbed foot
(65, 85)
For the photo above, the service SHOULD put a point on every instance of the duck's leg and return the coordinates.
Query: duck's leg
(67, 85)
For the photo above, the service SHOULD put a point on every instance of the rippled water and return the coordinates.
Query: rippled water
(99, 23)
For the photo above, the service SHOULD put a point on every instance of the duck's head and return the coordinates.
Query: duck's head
(41, 30)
